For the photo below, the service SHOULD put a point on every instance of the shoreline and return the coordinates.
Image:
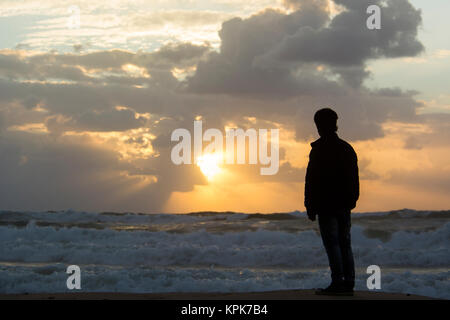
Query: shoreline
(264, 295)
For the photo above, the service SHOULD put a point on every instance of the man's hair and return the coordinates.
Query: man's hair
(326, 119)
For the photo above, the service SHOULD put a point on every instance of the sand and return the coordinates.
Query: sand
(266, 295)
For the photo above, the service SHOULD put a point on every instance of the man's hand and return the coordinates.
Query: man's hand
(311, 215)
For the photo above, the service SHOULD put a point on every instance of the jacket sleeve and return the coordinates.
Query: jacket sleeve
(309, 182)
(353, 175)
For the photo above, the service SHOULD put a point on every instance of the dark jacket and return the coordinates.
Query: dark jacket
(332, 181)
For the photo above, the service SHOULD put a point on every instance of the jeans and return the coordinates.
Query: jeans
(335, 232)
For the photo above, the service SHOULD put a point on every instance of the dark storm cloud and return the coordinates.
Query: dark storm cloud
(38, 173)
(233, 70)
(346, 41)
(270, 52)
(41, 173)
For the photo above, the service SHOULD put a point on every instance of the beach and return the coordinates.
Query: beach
(266, 295)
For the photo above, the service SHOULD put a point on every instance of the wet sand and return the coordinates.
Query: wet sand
(266, 295)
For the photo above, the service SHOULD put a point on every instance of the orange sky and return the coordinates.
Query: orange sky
(380, 191)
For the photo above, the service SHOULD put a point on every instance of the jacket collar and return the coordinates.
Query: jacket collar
(325, 139)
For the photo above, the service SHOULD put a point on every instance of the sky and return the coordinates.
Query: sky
(90, 93)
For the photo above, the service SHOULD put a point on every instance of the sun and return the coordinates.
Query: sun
(209, 164)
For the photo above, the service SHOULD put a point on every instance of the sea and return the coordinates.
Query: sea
(217, 251)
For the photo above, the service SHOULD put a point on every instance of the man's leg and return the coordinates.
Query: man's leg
(344, 221)
(329, 231)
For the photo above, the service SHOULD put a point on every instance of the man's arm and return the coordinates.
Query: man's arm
(309, 188)
(353, 179)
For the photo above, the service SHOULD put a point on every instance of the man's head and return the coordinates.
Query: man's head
(326, 121)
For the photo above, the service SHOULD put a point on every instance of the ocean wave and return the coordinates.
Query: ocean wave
(216, 251)
(259, 248)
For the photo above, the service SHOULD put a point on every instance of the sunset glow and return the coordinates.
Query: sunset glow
(210, 164)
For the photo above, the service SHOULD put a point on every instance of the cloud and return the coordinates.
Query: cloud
(346, 41)
(275, 51)
(106, 120)
(182, 18)
(77, 172)
(233, 70)
(82, 67)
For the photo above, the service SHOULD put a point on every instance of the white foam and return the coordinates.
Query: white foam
(52, 278)
(260, 248)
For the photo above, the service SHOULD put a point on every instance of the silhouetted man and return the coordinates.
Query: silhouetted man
(331, 192)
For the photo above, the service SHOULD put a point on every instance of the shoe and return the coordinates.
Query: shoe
(335, 289)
